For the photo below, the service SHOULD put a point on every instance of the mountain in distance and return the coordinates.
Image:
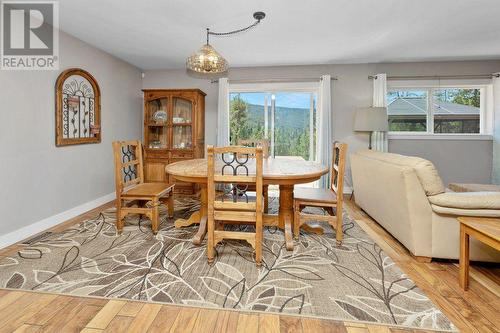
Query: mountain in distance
(284, 116)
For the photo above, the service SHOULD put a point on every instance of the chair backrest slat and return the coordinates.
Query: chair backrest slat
(131, 183)
(254, 143)
(129, 168)
(338, 167)
(131, 163)
(235, 168)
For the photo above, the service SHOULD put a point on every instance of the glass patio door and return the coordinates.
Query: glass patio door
(286, 118)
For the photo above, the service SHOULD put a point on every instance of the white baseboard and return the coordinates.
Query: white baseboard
(37, 227)
(347, 190)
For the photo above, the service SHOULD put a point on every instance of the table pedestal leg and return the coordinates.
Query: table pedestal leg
(202, 231)
(193, 219)
(313, 229)
(286, 213)
(197, 217)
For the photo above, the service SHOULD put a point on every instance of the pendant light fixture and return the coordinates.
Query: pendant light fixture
(207, 60)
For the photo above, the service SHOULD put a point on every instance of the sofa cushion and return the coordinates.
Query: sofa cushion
(467, 200)
(426, 171)
(466, 212)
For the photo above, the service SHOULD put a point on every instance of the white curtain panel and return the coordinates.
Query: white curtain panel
(223, 114)
(324, 127)
(379, 139)
(496, 129)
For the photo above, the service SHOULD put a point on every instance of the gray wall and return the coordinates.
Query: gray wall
(458, 161)
(353, 90)
(38, 179)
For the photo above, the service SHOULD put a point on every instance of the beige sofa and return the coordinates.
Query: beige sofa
(407, 197)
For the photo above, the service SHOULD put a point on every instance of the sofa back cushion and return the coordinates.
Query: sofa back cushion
(425, 170)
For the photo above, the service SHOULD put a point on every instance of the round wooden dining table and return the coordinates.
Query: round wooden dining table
(283, 171)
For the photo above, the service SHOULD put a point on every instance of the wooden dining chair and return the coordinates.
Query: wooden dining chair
(264, 144)
(330, 200)
(131, 188)
(235, 168)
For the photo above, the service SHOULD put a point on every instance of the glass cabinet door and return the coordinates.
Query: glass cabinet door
(182, 136)
(157, 111)
(182, 111)
(156, 122)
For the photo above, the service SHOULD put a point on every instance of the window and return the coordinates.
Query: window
(435, 110)
(407, 110)
(457, 110)
(286, 118)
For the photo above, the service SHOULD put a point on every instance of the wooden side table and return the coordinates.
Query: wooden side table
(486, 230)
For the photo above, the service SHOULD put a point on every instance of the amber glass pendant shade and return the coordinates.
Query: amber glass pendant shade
(207, 60)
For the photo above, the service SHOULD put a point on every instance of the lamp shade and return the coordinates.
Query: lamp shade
(371, 119)
(207, 60)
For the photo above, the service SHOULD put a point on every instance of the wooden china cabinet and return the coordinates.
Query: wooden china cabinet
(174, 130)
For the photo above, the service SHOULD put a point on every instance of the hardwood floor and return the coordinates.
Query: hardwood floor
(475, 310)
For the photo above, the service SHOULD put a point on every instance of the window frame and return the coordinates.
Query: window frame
(312, 87)
(430, 88)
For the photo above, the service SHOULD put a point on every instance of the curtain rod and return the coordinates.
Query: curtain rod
(437, 77)
(302, 79)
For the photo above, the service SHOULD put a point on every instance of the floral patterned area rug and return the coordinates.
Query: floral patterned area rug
(353, 281)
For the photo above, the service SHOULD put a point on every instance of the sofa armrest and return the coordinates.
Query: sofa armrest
(471, 187)
(467, 200)
(466, 212)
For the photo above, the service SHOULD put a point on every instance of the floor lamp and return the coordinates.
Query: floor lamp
(371, 119)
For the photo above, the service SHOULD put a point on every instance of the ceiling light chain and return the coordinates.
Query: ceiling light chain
(207, 59)
(258, 16)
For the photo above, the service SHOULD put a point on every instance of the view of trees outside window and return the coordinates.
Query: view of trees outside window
(290, 127)
(246, 120)
(455, 110)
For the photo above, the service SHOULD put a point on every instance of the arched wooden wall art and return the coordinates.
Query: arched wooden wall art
(78, 108)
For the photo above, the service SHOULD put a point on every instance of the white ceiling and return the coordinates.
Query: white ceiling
(157, 34)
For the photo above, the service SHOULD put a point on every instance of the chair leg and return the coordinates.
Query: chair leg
(258, 243)
(171, 204)
(296, 222)
(155, 216)
(339, 232)
(265, 190)
(210, 241)
(119, 217)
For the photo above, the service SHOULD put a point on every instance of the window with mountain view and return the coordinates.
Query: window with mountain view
(286, 119)
(435, 110)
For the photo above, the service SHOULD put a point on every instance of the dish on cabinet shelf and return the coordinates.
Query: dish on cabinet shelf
(156, 144)
(182, 145)
(160, 116)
